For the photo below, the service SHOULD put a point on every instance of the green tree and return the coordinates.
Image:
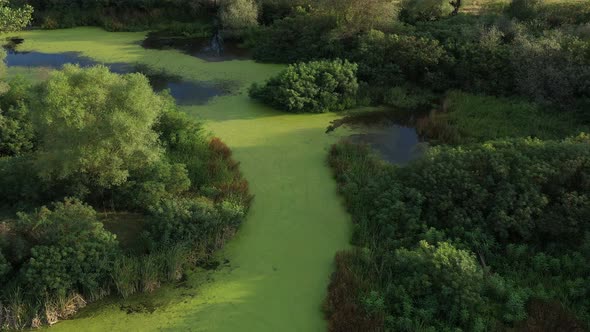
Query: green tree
(355, 16)
(96, 126)
(14, 19)
(237, 16)
(426, 10)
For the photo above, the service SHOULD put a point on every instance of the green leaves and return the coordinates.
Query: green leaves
(315, 87)
(70, 249)
(96, 125)
(14, 19)
(466, 237)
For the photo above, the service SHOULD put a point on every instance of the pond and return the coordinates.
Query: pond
(185, 92)
(392, 133)
(204, 48)
(395, 143)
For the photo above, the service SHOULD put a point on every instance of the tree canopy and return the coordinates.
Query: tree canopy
(96, 125)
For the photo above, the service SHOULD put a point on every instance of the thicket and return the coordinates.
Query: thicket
(315, 87)
(546, 60)
(119, 15)
(105, 142)
(465, 238)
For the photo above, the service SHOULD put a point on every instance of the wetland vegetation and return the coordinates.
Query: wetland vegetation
(456, 132)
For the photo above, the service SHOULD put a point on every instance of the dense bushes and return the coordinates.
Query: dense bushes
(62, 249)
(409, 58)
(116, 15)
(112, 142)
(424, 10)
(316, 87)
(475, 213)
(16, 129)
(485, 54)
(301, 37)
(238, 16)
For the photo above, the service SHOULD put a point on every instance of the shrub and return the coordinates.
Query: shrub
(416, 59)
(523, 9)
(424, 10)
(316, 87)
(551, 68)
(237, 16)
(186, 143)
(434, 287)
(194, 220)
(70, 250)
(302, 37)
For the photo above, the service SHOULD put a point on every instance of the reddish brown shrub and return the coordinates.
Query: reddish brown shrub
(219, 149)
(341, 306)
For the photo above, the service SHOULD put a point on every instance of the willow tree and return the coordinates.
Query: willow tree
(96, 127)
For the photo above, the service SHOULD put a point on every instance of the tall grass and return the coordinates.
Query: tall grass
(126, 272)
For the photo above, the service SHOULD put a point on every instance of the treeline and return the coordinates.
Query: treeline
(77, 151)
(120, 15)
(540, 52)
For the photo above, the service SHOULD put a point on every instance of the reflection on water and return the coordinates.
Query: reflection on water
(396, 144)
(198, 47)
(185, 92)
(391, 133)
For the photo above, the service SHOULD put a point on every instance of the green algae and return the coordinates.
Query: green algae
(281, 259)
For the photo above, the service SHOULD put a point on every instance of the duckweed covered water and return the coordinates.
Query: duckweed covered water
(277, 268)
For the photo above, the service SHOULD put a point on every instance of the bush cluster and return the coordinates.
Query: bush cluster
(316, 87)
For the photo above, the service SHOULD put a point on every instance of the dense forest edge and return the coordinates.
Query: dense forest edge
(489, 230)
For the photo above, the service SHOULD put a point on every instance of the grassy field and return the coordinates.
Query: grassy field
(274, 274)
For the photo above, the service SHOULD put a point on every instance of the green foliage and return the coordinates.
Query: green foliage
(435, 287)
(238, 16)
(118, 15)
(409, 58)
(518, 208)
(424, 10)
(302, 37)
(69, 249)
(553, 68)
(185, 142)
(96, 126)
(472, 118)
(14, 19)
(354, 16)
(16, 130)
(5, 268)
(523, 9)
(195, 219)
(316, 87)
(410, 99)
